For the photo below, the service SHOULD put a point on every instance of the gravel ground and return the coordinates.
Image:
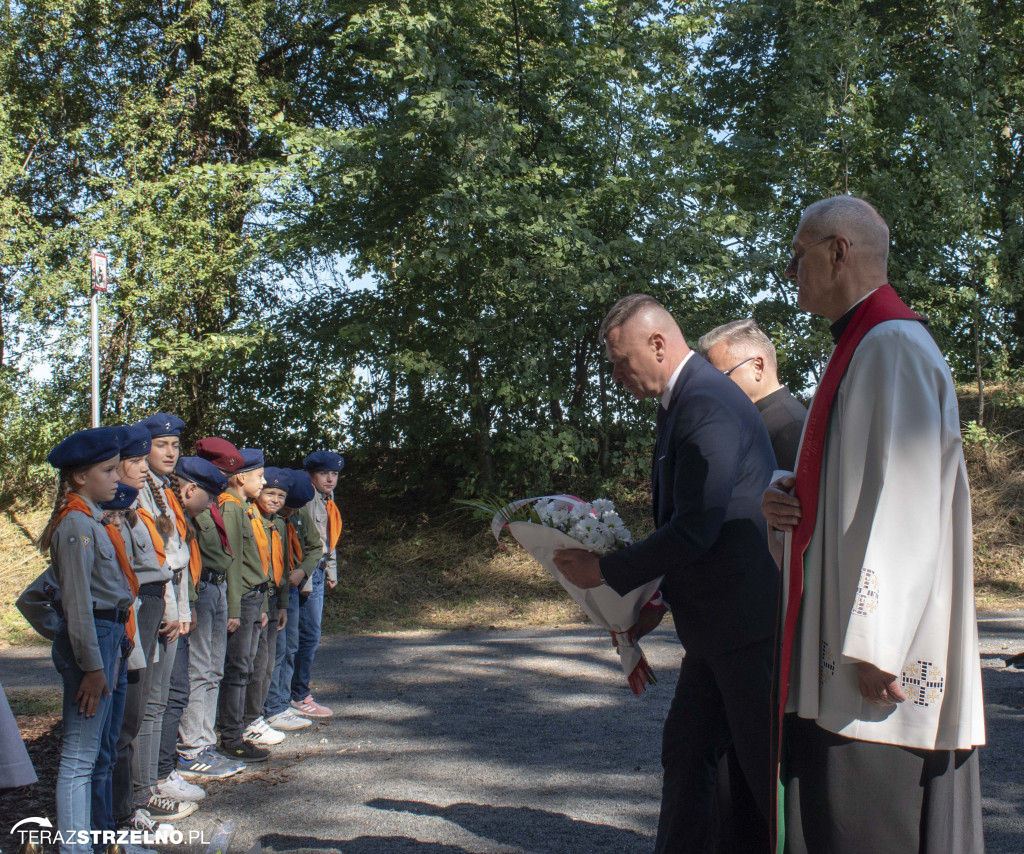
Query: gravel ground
(483, 741)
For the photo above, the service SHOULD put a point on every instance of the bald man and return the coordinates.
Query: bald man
(880, 677)
(712, 462)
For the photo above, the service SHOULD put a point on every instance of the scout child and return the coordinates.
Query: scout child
(161, 716)
(192, 486)
(323, 468)
(302, 556)
(271, 500)
(246, 596)
(136, 805)
(197, 740)
(96, 605)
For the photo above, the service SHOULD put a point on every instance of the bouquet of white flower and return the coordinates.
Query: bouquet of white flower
(545, 524)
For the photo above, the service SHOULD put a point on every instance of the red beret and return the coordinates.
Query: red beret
(221, 453)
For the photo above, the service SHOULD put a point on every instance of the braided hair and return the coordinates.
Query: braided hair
(59, 503)
(190, 528)
(164, 523)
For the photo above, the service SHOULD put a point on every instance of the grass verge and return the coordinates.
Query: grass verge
(442, 570)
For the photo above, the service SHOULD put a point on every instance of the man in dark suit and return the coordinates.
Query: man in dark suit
(712, 461)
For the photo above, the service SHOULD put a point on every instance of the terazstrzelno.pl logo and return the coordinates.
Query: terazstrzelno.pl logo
(40, 831)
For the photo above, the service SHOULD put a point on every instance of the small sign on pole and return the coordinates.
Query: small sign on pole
(98, 264)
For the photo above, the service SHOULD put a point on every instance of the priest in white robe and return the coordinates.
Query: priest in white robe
(879, 673)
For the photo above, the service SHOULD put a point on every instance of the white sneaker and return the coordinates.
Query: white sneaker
(260, 732)
(288, 721)
(175, 786)
(142, 820)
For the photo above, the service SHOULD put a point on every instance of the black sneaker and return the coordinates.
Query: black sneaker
(244, 751)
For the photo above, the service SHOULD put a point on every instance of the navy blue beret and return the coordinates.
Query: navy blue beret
(123, 498)
(136, 441)
(163, 424)
(88, 447)
(302, 490)
(203, 474)
(277, 479)
(252, 458)
(324, 461)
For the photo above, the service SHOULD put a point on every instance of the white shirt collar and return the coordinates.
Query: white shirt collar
(666, 395)
(869, 293)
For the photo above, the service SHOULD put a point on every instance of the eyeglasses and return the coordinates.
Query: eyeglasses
(794, 260)
(740, 365)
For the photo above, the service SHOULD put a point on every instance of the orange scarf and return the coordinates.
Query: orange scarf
(259, 532)
(131, 629)
(158, 541)
(76, 503)
(294, 549)
(276, 553)
(333, 524)
(179, 514)
(195, 560)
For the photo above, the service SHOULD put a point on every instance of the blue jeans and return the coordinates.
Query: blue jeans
(284, 660)
(89, 744)
(103, 776)
(311, 612)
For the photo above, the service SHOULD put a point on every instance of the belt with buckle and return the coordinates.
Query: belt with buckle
(261, 588)
(211, 577)
(115, 615)
(154, 588)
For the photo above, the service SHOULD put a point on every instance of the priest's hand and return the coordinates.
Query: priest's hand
(579, 566)
(878, 687)
(780, 509)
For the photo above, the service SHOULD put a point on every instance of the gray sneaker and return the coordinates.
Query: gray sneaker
(208, 764)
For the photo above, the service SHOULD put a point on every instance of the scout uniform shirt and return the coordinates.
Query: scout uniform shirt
(303, 546)
(148, 559)
(90, 578)
(245, 571)
(176, 605)
(213, 546)
(278, 572)
(320, 514)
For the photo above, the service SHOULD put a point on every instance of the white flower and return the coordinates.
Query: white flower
(580, 511)
(543, 510)
(593, 533)
(614, 523)
(602, 506)
(560, 520)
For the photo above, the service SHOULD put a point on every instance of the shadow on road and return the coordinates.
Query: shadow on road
(359, 845)
(537, 830)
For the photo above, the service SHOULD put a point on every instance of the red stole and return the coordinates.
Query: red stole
(880, 306)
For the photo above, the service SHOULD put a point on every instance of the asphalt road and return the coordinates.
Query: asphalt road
(503, 741)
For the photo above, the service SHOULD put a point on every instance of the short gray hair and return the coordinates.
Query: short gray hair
(837, 214)
(625, 310)
(742, 335)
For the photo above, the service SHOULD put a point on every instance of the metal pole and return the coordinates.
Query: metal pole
(95, 310)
